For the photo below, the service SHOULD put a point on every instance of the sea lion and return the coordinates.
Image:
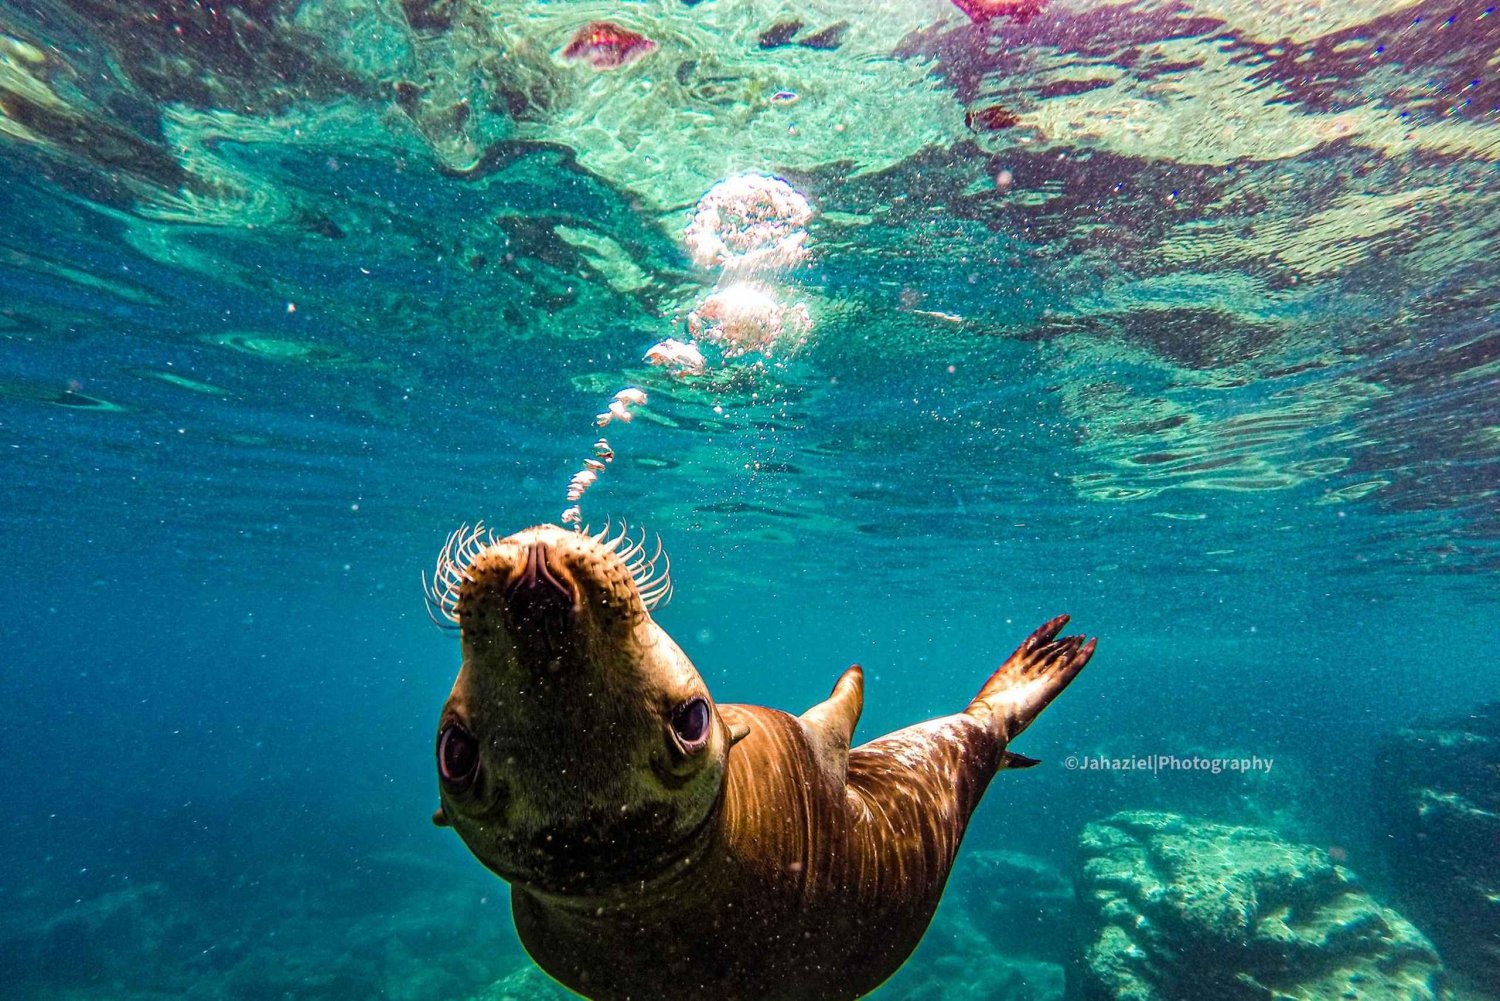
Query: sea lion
(661, 845)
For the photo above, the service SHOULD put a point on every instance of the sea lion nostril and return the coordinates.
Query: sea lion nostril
(538, 603)
(537, 593)
(538, 587)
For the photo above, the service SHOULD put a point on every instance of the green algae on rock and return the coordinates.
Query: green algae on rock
(1173, 909)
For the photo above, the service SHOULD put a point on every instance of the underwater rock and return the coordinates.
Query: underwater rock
(1023, 903)
(526, 984)
(976, 975)
(1173, 908)
(1001, 934)
(122, 928)
(1439, 803)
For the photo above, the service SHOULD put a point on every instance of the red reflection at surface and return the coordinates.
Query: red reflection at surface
(605, 45)
(991, 119)
(982, 11)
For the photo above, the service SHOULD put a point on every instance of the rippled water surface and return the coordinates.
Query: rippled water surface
(1179, 317)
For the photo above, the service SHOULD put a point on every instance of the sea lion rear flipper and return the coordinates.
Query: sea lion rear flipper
(1031, 678)
(830, 724)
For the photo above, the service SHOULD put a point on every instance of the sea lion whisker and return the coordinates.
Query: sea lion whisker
(642, 569)
(474, 544)
(637, 547)
(626, 549)
(603, 532)
(631, 552)
(659, 596)
(449, 620)
(462, 547)
(433, 593)
(624, 534)
(658, 590)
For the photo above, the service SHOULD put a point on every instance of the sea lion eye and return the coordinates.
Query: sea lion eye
(458, 756)
(690, 723)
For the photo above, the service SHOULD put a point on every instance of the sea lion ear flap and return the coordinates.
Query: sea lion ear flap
(440, 819)
(737, 733)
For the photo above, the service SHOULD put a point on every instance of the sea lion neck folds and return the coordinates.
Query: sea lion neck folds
(659, 844)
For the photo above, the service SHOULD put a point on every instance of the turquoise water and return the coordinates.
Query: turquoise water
(1179, 318)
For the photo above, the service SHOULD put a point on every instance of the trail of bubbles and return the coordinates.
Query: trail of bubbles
(745, 226)
(604, 453)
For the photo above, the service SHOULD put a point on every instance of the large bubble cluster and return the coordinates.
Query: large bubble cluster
(749, 222)
(748, 318)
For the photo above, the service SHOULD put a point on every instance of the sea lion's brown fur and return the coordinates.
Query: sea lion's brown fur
(776, 863)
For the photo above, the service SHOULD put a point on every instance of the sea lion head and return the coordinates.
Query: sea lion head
(579, 750)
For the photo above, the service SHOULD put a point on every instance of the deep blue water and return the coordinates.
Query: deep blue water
(266, 338)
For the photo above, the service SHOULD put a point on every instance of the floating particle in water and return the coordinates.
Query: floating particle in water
(749, 221)
(573, 516)
(747, 318)
(677, 357)
(603, 451)
(605, 45)
(985, 11)
(940, 315)
(631, 397)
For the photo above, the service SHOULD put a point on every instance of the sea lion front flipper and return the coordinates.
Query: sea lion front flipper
(830, 724)
(1029, 679)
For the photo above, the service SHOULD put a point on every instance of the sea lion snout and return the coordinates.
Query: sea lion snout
(538, 581)
(542, 599)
